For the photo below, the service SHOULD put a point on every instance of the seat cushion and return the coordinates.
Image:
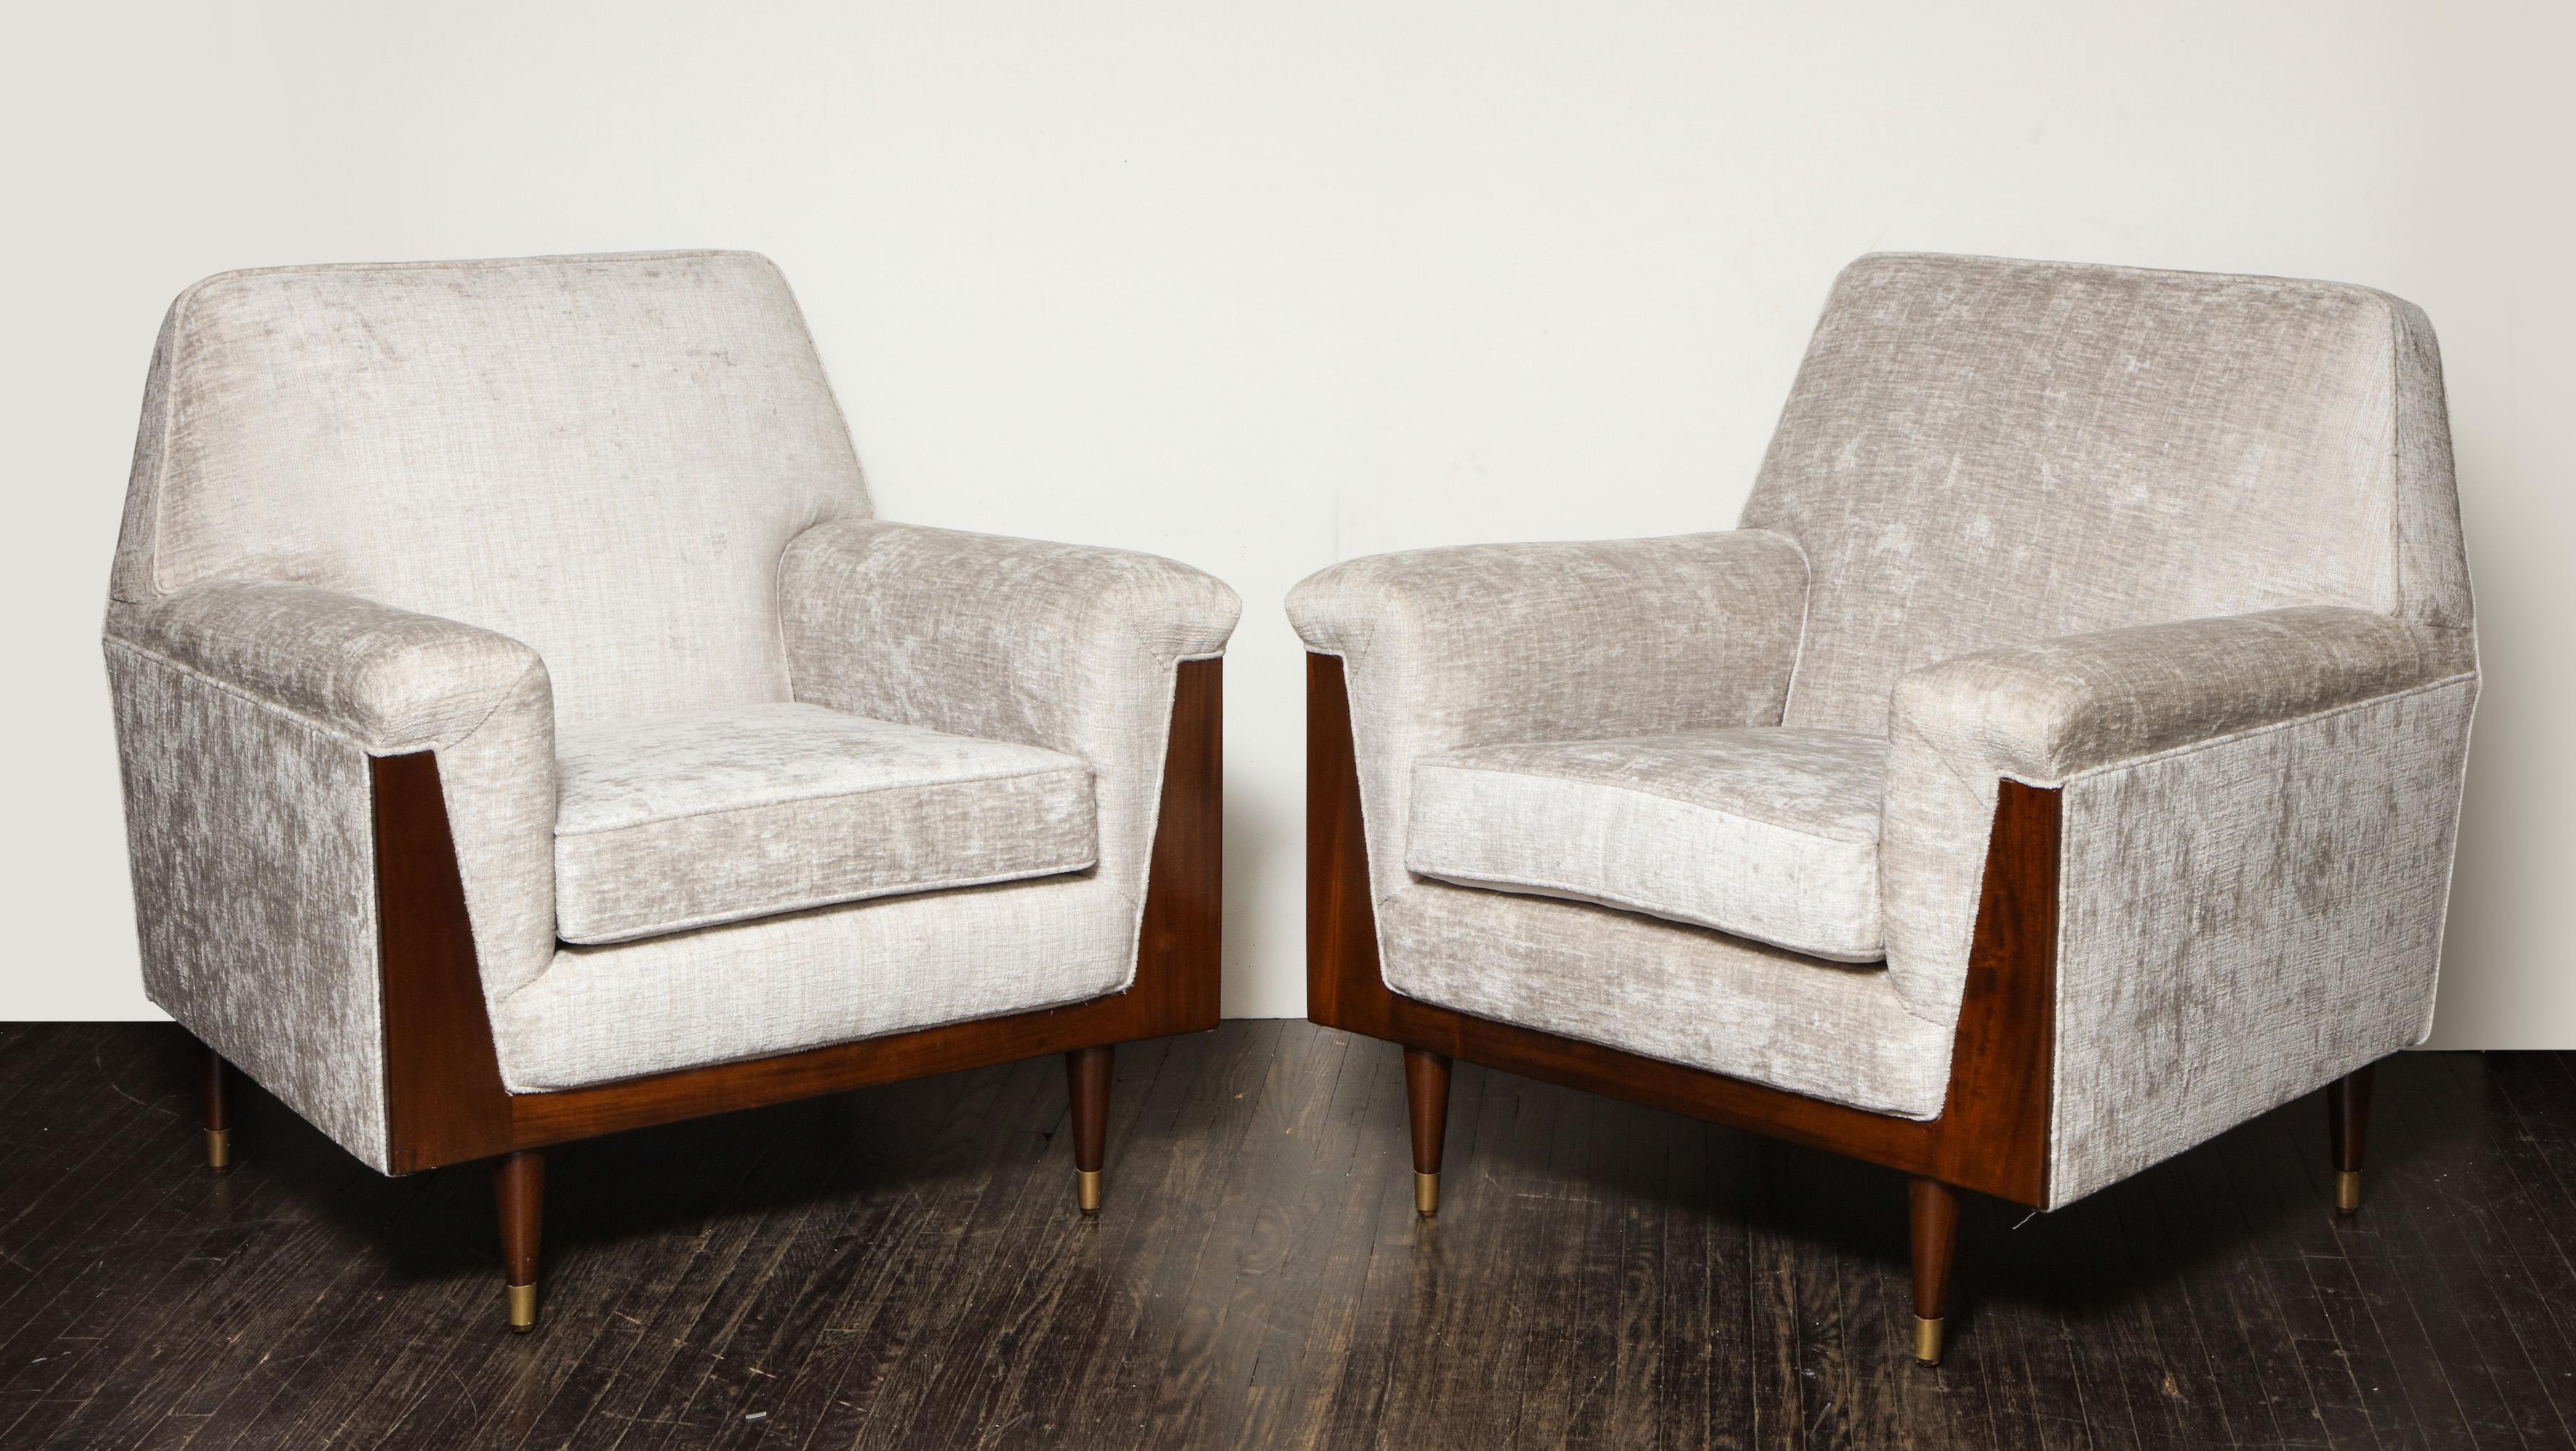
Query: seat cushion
(1765, 833)
(692, 818)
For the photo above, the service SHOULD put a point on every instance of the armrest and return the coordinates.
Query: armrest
(2054, 711)
(2043, 712)
(1058, 645)
(389, 679)
(391, 682)
(1542, 641)
(1485, 644)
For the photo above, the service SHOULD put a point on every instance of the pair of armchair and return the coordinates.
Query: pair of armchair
(529, 734)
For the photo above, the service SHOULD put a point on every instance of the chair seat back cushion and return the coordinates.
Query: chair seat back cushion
(692, 818)
(1766, 833)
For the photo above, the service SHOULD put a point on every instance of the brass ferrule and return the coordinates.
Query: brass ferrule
(1086, 1190)
(1426, 1194)
(219, 1149)
(2347, 1190)
(1927, 1340)
(523, 1308)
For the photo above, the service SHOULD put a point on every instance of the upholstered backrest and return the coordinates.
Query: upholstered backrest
(600, 456)
(1981, 452)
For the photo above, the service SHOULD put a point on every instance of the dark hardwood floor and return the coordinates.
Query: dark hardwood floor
(904, 1267)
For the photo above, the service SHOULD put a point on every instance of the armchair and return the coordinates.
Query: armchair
(2059, 765)
(529, 734)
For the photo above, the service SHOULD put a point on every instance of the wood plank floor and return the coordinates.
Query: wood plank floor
(903, 1267)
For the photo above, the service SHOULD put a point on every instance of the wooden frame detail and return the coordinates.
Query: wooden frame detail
(444, 1098)
(1992, 1135)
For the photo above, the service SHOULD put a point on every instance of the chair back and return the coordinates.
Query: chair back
(1981, 452)
(600, 456)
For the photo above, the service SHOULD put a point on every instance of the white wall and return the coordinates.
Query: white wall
(1265, 287)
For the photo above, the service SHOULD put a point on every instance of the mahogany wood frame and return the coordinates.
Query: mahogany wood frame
(444, 1098)
(1992, 1134)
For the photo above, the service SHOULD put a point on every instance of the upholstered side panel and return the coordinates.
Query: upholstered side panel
(252, 840)
(1683, 994)
(807, 980)
(392, 682)
(2245, 920)
(2044, 712)
(1979, 452)
(601, 457)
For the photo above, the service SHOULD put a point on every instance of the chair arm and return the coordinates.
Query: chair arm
(2057, 710)
(1493, 643)
(389, 682)
(1059, 645)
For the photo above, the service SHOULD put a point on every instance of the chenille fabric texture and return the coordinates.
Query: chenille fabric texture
(570, 524)
(2185, 546)
(1770, 834)
(692, 818)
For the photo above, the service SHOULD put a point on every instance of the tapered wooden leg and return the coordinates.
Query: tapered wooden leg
(519, 1187)
(219, 1112)
(1426, 1093)
(1087, 1075)
(1935, 1213)
(2348, 1122)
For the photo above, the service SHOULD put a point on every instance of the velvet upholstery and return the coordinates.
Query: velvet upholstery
(1767, 833)
(584, 527)
(1500, 644)
(1059, 646)
(2246, 919)
(1978, 451)
(248, 824)
(1668, 990)
(2185, 547)
(466, 439)
(691, 818)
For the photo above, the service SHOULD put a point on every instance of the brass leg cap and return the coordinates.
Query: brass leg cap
(2347, 1190)
(1086, 1190)
(1426, 1194)
(219, 1149)
(523, 1309)
(1927, 1340)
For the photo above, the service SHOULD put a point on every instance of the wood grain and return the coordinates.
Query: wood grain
(444, 1102)
(1426, 1097)
(2347, 1119)
(1088, 1074)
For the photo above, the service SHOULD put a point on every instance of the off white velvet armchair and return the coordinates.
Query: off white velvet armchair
(2058, 765)
(528, 732)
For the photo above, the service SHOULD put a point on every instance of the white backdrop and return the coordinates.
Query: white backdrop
(1262, 287)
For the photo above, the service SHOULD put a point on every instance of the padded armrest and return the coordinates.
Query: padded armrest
(2050, 712)
(1533, 641)
(391, 682)
(2042, 712)
(1058, 645)
(1494, 643)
